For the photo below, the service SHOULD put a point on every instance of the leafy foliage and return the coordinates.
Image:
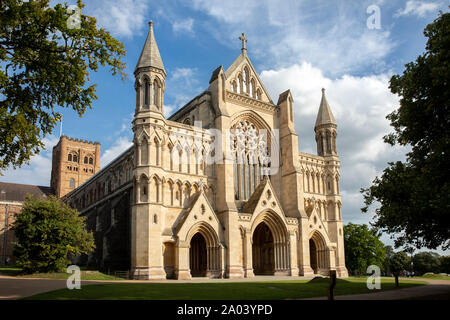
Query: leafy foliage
(415, 194)
(362, 248)
(48, 232)
(424, 262)
(444, 261)
(45, 65)
(399, 261)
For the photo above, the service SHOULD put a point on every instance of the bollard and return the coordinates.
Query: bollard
(332, 285)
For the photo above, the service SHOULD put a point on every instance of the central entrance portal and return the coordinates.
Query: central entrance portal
(263, 252)
(198, 256)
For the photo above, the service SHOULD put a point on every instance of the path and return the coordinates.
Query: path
(433, 288)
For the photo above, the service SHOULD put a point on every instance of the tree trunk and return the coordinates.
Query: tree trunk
(396, 280)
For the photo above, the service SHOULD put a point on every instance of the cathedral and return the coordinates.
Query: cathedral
(219, 189)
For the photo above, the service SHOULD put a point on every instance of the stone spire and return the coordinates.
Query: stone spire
(150, 56)
(324, 116)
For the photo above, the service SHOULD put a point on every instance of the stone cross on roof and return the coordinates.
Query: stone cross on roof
(244, 41)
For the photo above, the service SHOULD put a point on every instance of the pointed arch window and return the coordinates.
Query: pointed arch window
(251, 164)
(328, 142)
(146, 93)
(246, 81)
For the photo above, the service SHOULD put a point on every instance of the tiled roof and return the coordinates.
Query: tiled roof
(18, 192)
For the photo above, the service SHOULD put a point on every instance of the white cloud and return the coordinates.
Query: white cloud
(38, 171)
(120, 17)
(360, 105)
(186, 25)
(331, 35)
(121, 144)
(418, 8)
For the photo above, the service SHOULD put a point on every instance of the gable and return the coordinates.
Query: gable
(199, 210)
(241, 72)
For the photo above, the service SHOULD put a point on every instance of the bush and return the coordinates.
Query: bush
(48, 233)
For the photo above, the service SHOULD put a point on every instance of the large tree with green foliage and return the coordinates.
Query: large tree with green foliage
(45, 61)
(415, 194)
(362, 248)
(48, 233)
(444, 262)
(424, 262)
(399, 262)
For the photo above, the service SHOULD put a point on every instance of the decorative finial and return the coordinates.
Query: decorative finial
(150, 23)
(244, 41)
(323, 90)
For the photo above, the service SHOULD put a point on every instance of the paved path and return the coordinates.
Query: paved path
(16, 288)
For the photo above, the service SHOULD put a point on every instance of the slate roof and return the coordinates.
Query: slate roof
(18, 192)
(150, 56)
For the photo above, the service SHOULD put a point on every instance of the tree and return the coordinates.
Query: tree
(389, 253)
(399, 261)
(48, 233)
(414, 195)
(45, 61)
(445, 264)
(362, 248)
(424, 262)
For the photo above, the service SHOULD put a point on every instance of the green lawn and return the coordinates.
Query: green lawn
(220, 290)
(434, 277)
(85, 274)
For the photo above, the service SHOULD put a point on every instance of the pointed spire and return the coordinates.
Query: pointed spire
(324, 116)
(150, 56)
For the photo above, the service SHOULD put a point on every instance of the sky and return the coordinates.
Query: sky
(349, 47)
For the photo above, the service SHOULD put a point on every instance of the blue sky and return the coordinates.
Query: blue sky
(293, 44)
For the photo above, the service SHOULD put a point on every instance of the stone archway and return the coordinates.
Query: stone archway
(319, 254)
(276, 245)
(263, 251)
(198, 256)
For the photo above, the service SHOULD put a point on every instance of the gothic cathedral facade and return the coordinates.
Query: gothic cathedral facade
(219, 189)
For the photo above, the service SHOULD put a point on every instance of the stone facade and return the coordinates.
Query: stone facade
(220, 188)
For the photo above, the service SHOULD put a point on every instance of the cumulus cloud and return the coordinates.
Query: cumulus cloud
(418, 8)
(121, 144)
(360, 105)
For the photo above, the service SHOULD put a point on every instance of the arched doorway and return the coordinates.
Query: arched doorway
(319, 254)
(198, 256)
(263, 250)
(313, 256)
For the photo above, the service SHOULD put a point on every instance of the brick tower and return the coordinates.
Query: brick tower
(74, 161)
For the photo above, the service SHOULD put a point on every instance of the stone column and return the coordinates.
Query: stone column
(248, 258)
(182, 271)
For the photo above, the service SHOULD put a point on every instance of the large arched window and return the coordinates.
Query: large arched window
(251, 158)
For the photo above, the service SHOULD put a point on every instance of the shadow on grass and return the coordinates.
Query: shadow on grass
(270, 290)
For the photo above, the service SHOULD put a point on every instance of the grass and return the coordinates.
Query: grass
(10, 270)
(434, 277)
(85, 274)
(270, 290)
